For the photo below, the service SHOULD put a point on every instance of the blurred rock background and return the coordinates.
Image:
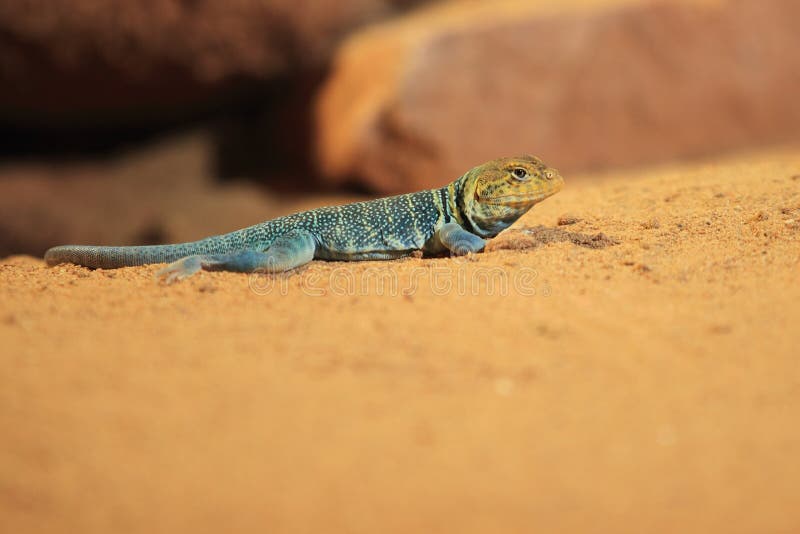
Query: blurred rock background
(162, 120)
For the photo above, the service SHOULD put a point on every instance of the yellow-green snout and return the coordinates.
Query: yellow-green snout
(518, 182)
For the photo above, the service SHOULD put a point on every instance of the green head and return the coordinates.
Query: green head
(497, 193)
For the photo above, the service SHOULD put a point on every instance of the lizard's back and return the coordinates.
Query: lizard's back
(374, 229)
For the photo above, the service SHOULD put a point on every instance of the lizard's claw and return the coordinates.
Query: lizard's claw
(178, 270)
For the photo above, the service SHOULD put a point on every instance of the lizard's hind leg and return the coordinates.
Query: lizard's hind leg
(289, 251)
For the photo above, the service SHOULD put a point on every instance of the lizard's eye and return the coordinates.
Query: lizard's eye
(520, 173)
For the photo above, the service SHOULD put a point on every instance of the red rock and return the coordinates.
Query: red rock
(414, 102)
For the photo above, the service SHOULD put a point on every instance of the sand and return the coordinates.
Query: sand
(634, 369)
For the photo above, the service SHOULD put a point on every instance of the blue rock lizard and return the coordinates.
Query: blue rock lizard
(458, 218)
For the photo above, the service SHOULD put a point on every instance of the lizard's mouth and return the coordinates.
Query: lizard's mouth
(520, 201)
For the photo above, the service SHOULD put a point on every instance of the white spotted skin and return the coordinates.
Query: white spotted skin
(378, 229)
(385, 228)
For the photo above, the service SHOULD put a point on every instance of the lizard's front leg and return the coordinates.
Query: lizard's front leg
(289, 251)
(459, 241)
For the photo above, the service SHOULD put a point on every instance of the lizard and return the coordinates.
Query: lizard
(458, 218)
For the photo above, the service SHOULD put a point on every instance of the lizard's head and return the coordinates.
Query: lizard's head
(499, 192)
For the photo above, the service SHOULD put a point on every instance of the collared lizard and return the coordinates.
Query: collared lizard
(458, 218)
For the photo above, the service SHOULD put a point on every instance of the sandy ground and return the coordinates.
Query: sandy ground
(636, 371)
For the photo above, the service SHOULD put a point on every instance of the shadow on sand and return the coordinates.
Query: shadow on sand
(529, 238)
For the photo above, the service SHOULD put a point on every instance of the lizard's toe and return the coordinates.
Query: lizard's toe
(178, 270)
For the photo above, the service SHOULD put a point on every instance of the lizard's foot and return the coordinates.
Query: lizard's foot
(459, 241)
(178, 270)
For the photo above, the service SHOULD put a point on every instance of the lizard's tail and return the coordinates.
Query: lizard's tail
(113, 257)
(258, 236)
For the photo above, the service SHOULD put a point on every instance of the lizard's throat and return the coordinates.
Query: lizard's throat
(490, 220)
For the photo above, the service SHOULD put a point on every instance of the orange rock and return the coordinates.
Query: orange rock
(584, 84)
